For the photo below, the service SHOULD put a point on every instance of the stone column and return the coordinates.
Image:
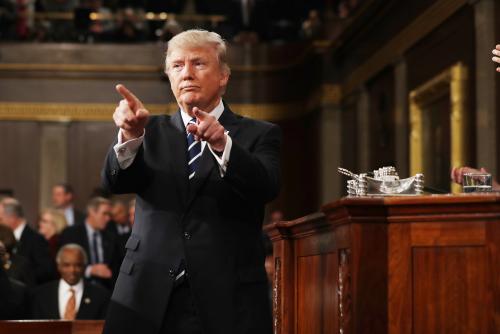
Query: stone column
(486, 88)
(53, 158)
(364, 130)
(330, 150)
(401, 121)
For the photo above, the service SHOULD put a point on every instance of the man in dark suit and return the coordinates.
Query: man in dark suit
(70, 297)
(62, 199)
(30, 243)
(119, 225)
(14, 294)
(101, 245)
(195, 259)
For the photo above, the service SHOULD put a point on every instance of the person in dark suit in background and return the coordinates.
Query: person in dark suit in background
(101, 245)
(13, 294)
(195, 259)
(16, 266)
(70, 297)
(119, 225)
(62, 199)
(30, 244)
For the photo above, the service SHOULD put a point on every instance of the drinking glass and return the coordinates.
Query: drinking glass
(476, 182)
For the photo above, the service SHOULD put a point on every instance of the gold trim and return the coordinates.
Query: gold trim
(23, 67)
(454, 82)
(397, 46)
(97, 112)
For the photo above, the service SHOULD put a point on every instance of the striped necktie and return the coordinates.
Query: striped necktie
(194, 151)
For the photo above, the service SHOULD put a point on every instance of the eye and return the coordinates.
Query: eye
(176, 66)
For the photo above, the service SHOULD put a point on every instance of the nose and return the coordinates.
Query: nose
(187, 71)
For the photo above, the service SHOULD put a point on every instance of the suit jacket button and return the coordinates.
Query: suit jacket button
(171, 272)
(187, 235)
(113, 172)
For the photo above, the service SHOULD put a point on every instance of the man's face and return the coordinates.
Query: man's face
(60, 198)
(71, 266)
(98, 218)
(8, 220)
(196, 77)
(120, 214)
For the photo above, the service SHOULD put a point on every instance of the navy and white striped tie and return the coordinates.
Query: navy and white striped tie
(194, 151)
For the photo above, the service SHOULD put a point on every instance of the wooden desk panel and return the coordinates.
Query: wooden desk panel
(400, 265)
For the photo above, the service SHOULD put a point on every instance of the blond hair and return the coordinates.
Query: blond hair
(58, 219)
(197, 38)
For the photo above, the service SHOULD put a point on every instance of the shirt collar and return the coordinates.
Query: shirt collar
(90, 229)
(216, 112)
(64, 286)
(18, 232)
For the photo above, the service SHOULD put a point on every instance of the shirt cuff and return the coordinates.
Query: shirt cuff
(223, 160)
(126, 151)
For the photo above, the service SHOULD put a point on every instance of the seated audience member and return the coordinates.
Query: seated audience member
(457, 174)
(101, 245)
(52, 222)
(62, 199)
(119, 225)
(30, 244)
(70, 297)
(16, 266)
(131, 211)
(13, 294)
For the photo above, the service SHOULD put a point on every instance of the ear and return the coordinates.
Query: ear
(224, 79)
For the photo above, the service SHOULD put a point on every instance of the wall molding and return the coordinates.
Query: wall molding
(102, 112)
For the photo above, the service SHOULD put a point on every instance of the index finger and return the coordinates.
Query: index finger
(127, 95)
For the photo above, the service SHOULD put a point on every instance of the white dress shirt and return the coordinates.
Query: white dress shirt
(18, 232)
(70, 215)
(126, 151)
(64, 294)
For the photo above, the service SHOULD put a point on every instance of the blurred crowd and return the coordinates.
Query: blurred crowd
(65, 248)
(245, 21)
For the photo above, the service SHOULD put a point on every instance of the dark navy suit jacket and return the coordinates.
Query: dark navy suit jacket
(213, 223)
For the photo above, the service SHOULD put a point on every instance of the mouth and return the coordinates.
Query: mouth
(189, 88)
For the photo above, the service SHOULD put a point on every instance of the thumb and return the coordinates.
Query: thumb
(483, 170)
(142, 114)
(200, 114)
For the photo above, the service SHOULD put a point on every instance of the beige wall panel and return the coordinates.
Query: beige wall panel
(20, 163)
(88, 143)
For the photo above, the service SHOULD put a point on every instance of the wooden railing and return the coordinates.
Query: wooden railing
(51, 327)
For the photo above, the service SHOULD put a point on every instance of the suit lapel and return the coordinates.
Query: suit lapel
(84, 311)
(208, 164)
(53, 301)
(85, 242)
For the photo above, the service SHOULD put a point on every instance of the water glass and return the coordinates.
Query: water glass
(476, 182)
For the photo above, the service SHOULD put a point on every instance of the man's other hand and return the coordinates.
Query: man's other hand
(208, 129)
